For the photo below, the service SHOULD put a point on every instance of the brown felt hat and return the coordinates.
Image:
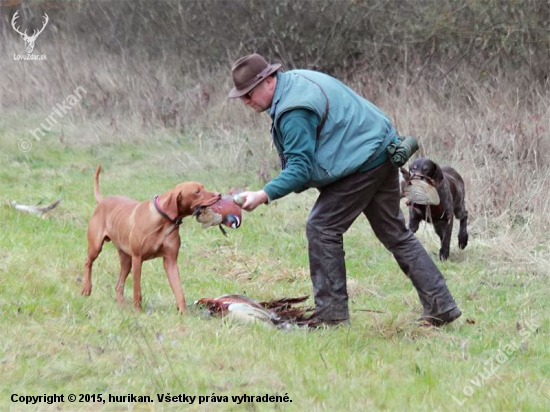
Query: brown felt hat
(248, 72)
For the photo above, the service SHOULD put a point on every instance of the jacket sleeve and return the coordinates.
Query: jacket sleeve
(298, 130)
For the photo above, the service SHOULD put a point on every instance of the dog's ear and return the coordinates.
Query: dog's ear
(187, 197)
(182, 203)
(437, 175)
(172, 204)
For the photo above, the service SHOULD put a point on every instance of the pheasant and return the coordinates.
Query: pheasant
(226, 211)
(278, 312)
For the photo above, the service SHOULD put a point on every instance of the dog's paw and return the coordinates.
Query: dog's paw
(462, 241)
(443, 254)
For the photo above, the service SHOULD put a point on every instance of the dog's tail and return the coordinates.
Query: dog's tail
(97, 193)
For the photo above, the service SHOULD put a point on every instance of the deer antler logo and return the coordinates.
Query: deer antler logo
(29, 39)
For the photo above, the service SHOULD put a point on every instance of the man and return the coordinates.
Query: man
(330, 138)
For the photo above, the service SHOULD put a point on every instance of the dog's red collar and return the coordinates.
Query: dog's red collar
(177, 221)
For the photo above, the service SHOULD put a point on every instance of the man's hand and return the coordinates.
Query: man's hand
(253, 199)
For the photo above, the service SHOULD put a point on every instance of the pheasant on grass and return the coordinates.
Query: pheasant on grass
(281, 313)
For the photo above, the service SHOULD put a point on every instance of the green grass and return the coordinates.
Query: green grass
(55, 341)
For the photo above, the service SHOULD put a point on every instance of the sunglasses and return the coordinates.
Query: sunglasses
(249, 94)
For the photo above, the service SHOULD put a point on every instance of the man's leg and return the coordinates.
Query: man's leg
(336, 209)
(327, 265)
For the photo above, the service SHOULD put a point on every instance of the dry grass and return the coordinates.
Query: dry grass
(494, 130)
(153, 126)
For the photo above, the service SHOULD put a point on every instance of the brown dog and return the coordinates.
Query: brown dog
(142, 231)
(452, 193)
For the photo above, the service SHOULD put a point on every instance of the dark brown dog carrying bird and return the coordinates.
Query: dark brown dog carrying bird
(438, 208)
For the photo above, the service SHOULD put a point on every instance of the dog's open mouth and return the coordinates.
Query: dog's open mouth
(223, 212)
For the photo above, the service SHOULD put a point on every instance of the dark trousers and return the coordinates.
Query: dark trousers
(376, 194)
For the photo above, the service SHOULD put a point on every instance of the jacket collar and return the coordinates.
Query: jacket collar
(278, 93)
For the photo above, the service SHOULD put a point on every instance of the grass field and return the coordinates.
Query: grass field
(55, 341)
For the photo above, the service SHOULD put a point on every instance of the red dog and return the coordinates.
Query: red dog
(142, 231)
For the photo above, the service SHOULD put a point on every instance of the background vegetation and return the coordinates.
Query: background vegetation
(469, 79)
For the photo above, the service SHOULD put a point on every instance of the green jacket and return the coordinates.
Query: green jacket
(354, 135)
